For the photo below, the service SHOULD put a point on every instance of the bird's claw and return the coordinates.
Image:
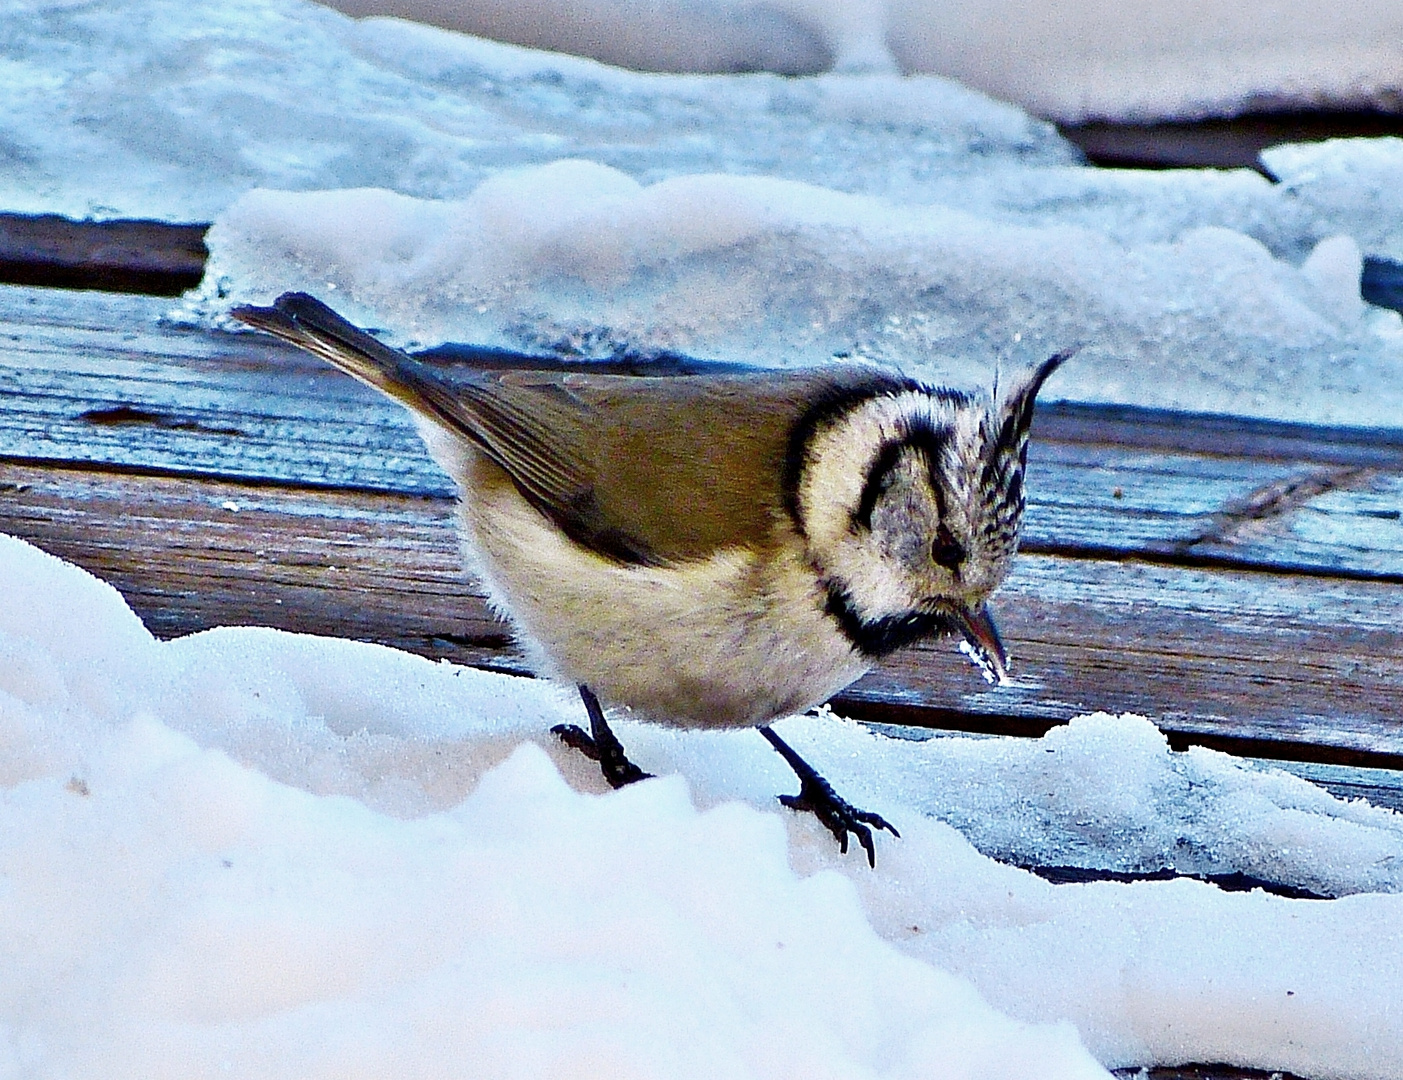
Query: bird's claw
(577, 738)
(609, 752)
(838, 815)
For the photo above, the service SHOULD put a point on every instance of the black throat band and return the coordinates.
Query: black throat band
(876, 638)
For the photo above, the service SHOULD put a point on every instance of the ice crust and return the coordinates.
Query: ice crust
(248, 852)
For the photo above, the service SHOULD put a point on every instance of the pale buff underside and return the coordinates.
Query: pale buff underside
(730, 641)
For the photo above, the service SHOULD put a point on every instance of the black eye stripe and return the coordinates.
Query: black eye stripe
(878, 476)
(920, 436)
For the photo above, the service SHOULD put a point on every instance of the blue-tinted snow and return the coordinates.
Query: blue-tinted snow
(1140, 60)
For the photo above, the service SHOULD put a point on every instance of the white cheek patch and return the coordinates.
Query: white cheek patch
(839, 460)
(842, 454)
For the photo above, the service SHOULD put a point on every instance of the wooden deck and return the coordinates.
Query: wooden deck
(1236, 581)
(1228, 143)
(1239, 582)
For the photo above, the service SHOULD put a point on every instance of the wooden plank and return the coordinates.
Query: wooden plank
(1381, 283)
(1221, 436)
(189, 555)
(1133, 594)
(1349, 521)
(1304, 517)
(1267, 664)
(134, 256)
(1271, 665)
(1222, 143)
(1202, 1072)
(1108, 482)
(105, 383)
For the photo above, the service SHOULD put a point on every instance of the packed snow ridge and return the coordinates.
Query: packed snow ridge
(254, 852)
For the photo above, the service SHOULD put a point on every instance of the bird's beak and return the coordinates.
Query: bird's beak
(984, 648)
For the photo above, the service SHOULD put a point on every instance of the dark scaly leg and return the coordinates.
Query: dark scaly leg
(601, 745)
(817, 796)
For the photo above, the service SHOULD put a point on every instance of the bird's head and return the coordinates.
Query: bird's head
(911, 501)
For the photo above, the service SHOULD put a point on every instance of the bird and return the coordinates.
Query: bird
(715, 550)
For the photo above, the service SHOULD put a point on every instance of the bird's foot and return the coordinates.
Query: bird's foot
(840, 817)
(602, 746)
(613, 762)
(816, 796)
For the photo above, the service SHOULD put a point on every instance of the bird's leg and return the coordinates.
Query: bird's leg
(817, 796)
(601, 745)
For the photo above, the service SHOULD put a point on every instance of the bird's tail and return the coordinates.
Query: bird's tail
(308, 323)
(527, 434)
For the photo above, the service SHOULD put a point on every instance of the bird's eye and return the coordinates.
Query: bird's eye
(946, 551)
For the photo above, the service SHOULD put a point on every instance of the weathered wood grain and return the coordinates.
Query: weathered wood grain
(152, 257)
(1267, 664)
(189, 554)
(1271, 665)
(1109, 482)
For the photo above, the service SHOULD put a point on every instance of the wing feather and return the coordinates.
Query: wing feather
(533, 445)
(639, 469)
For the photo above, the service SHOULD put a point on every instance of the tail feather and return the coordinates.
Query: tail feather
(308, 323)
(532, 436)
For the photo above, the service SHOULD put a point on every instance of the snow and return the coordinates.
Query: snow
(577, 258)
(251, 852)
(171, 109)
(1353, 181)
(450, 187)
(1146, 60)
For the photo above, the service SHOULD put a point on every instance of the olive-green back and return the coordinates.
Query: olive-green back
(660, 469)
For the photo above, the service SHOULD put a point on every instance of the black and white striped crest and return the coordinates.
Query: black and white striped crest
(1007, 460)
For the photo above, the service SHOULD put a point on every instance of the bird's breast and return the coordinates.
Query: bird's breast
(739, 638)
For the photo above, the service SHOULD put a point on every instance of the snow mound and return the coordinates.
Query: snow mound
(253, 852)
(1353, 182)
(1136, 61)
(577, 258)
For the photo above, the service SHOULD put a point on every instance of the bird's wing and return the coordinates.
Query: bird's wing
(637, 469)
(683, 466)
